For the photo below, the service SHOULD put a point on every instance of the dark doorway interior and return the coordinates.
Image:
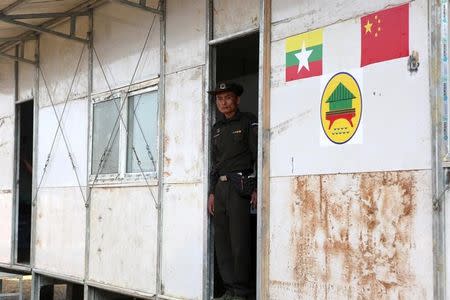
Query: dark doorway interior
(238, 61)
(24, 179)
(62, 290)
(98, 294)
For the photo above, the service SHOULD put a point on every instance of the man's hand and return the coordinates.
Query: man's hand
(254, 199)
(211, 204)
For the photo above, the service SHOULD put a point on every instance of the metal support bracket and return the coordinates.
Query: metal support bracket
(73, 26)
(41, 29)
(141, 5)
(17, 58)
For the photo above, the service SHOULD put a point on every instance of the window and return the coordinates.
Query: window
(125, 146)
(105, 130)
(142, 132)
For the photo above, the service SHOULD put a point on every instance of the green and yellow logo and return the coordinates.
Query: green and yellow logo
(341, 106)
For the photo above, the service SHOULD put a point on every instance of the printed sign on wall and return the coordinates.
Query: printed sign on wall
(341, 108)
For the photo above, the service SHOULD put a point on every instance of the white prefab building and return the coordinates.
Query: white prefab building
(105, 129)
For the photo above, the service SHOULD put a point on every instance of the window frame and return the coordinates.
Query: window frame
(122, 177)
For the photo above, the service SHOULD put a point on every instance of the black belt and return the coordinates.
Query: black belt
(225, 176)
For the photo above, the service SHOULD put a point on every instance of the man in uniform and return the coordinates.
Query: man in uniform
(233, 189)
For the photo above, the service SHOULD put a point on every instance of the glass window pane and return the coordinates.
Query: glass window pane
(142, 132)
(105, 116)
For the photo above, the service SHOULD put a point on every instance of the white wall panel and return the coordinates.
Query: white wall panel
(6, 88)
(27, 73)
(123, 237)
(6, 152)
(182, 251)
(395, 122)
(183, 143)
(290, 17)
(119, 39)
(186, 33)
(6, 211)
(75, 121)
(233, 16)
(60, 231)
(58, 61)
(352, 236)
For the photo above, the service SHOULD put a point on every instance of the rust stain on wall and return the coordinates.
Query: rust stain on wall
(167, 160)
(306, 206)
(355, 232)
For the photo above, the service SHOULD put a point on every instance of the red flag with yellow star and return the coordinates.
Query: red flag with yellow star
(385, 35)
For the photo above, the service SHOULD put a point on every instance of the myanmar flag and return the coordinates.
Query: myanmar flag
(304, 55)
(385, 35)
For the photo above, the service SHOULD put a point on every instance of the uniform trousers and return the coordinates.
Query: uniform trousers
(232, 238)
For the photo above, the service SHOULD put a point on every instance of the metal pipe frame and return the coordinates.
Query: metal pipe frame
(17, 129)
(90, 4)
(438, 147)
(17, 58)
(161, 107)
(41, 29)
(15, 269)
(12, 6)
(16, 39)
(58, 277)
(88, 151)
(263, 209)
(123, 291)
(142, 5)
(233, 36)
(44, 15)
(208, 244)
(35, 151)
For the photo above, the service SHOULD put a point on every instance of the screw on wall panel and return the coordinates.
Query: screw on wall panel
(413, 62)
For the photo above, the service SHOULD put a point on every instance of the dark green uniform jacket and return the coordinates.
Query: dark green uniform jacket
(234, 146)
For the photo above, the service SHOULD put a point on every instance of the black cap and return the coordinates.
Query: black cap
(236, 88)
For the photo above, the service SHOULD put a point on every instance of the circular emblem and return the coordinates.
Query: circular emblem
(341, 106)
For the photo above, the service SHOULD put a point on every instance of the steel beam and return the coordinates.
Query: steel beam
(41, 29)
(43, 15)
(16, 58)
(16, 38)
(139, 5)
(12, 6)
(91, 4)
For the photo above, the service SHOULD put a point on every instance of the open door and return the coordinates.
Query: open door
(237, 60)
(24, 177)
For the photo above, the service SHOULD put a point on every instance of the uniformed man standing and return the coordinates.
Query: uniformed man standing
(233, 189)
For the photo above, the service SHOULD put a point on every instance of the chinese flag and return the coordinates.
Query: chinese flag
(385, 35)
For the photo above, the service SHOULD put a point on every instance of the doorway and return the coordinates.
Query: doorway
(24, 178)
(237, 60)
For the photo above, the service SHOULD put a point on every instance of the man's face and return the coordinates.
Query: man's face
(227, 102)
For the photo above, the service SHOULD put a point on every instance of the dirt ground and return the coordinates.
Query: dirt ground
(11, 285)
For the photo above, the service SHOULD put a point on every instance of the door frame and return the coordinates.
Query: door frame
(264, 29)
